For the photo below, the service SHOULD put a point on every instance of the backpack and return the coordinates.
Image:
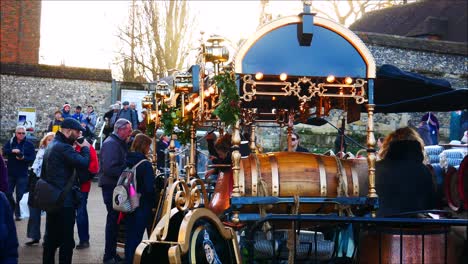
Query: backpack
(125, 197)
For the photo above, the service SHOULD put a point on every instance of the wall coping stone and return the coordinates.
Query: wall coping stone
(57, 72)
(436, 46)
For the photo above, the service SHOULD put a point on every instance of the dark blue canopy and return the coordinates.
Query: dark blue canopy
(397, 91)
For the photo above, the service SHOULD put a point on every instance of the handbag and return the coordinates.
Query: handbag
(47, 196)
(32, 180)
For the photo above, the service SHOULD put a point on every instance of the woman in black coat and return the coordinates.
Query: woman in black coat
(403, 182)
(137, 221)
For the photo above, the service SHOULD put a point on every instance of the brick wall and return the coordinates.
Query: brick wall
(20, 31)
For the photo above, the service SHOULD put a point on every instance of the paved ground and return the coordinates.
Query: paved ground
(97, 218)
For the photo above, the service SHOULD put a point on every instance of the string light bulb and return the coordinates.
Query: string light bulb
(348, 80)
(330, 78)
(283, 76)
(259, 76)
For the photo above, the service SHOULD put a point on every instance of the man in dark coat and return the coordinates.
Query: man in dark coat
(8, 237)
(20, 153)
(295, 144)
(59, 165)
(113, 154)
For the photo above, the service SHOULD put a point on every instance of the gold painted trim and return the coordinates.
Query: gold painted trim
(193, 243)
(347, 34)
(174, 255)
(159, 229)
(189, 221)
(323, 177)
(355, 181)
(241, 179)
(344, 176)
(255, 172)
(274, 175)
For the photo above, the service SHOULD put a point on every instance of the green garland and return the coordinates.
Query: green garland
(228, 110)
(172, 117)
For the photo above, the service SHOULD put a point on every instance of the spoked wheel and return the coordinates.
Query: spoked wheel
(208, 246)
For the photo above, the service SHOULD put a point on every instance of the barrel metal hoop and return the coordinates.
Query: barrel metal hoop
(355, 181)
(323, 177)
(255, 171)
(345, 180)
(241, 179)
(274, 175)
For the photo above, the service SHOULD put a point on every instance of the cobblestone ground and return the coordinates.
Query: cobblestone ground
(97, 218)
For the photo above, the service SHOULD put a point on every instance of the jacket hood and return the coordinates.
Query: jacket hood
(134, 157)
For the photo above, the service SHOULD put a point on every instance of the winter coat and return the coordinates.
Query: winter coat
(113, 154)
(130, 115)
(3, 176)
(55, 125)
(403, 182)
(145, 177)
(90, 121)
(37, 165)
(8, 237)
(66, 114)
(92, 170)
(19, 168)
(78, 117)
(425, 133)
(60, 161)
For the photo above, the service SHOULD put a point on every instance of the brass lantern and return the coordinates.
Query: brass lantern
(147, 102)
(183, 82)
(163, 89)
(215, 52)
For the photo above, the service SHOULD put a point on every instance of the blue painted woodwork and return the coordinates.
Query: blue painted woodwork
(279, 51)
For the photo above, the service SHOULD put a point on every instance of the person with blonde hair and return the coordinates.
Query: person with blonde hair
(34, 222)
(403, 182)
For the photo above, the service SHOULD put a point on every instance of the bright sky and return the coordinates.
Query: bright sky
(83, 33)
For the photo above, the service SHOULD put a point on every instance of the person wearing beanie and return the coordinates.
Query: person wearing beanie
(66, 110)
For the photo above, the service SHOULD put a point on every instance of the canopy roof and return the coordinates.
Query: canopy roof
(397, 91)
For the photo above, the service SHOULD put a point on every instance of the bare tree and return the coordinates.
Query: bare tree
(155, 38)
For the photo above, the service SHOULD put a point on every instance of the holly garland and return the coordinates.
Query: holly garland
(172, 117)
(228, 110)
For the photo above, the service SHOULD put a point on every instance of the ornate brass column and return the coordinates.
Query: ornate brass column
(371, 157)
(191, 171)
(236, 156)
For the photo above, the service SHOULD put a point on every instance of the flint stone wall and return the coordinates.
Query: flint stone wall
(48, 91)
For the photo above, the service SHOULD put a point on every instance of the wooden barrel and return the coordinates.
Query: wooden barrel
(435, 244)
(286, 174)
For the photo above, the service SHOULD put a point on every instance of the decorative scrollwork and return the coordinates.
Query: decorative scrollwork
(305, 88)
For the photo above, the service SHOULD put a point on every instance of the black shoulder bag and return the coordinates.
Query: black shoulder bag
(47, 196)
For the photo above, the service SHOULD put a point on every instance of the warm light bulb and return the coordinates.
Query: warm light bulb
(283, 77)
(207, 93)
(196, 100)
(348, 80)
(259, 76)
(211, 90)
(330, 78)
(273, 98)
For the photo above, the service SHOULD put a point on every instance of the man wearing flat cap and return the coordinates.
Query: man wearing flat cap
(127, 113)
(59, 165)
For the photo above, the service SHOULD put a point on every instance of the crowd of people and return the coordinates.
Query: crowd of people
(63, 158)
(66, 157)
